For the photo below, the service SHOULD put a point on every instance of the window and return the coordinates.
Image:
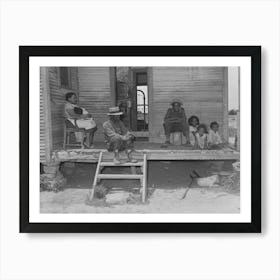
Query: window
(141, 79)
(65, 78)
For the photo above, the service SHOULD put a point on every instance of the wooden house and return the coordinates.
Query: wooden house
(203, 91)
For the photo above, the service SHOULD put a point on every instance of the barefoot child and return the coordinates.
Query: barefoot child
(214, 139)
(193, 124)
(201, 137)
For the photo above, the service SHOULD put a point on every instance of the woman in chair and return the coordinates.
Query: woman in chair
(79, 117)
(175, 121)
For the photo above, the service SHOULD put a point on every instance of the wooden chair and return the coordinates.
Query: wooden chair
(69, 129)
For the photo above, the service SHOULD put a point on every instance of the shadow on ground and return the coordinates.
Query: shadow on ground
(161, 174)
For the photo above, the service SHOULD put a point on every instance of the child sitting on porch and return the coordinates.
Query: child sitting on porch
(193, 124)
(214, 139)
(117, 136)
(201, 137)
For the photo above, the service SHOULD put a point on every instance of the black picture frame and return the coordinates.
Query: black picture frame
(25, 52)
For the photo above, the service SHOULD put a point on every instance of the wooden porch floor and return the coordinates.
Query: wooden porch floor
(154, 151)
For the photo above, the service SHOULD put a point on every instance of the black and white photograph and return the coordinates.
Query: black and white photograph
(139, 140)
(140, 135)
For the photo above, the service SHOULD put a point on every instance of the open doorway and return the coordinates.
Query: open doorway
(142, 108)
(140, 104)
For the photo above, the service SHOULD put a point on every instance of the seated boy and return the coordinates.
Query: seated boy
(215, 141)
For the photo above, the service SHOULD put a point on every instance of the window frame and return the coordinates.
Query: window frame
(69, 78)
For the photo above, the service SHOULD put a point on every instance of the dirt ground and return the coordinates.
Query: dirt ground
(167, 182)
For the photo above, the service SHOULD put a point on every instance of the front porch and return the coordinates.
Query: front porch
(154, 151)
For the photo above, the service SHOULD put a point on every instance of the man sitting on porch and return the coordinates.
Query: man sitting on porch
(79, 117)
(117, 136)
(175, 121)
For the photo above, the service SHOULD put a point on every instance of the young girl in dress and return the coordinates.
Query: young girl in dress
(193, 124)
(201, 137)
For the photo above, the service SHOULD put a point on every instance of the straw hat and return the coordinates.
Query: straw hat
(176, 100)
(114, 111)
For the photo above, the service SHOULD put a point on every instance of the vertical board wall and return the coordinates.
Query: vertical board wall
(203, 91)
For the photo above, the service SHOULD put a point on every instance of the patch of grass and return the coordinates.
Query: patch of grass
(96, 202)
(55, 184)
(99, 199)
(231, 183)
(100, 191)
(134, 198)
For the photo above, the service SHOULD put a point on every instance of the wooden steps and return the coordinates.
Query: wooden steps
(120, 176)
(110, 163)
(142, 177)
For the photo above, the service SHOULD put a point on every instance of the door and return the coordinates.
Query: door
(140, 106)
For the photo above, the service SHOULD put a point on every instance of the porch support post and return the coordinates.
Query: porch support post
(225, 104)
(113, 86)
(238, 114)
(150, 102)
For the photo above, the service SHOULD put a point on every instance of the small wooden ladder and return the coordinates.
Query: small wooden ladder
(142, 177)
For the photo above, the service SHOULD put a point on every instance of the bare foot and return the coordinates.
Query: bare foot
(117, 161)
(86, 145)
(132, 160)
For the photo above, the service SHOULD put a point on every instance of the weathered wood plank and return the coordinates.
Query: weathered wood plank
(92, 155)
(111, 163)
(120, 176)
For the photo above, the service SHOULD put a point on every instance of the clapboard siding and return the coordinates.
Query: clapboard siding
(95, 94)
(57, 97)
(201, 89)
(42, 123)
(45, 117)
(57, 105)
